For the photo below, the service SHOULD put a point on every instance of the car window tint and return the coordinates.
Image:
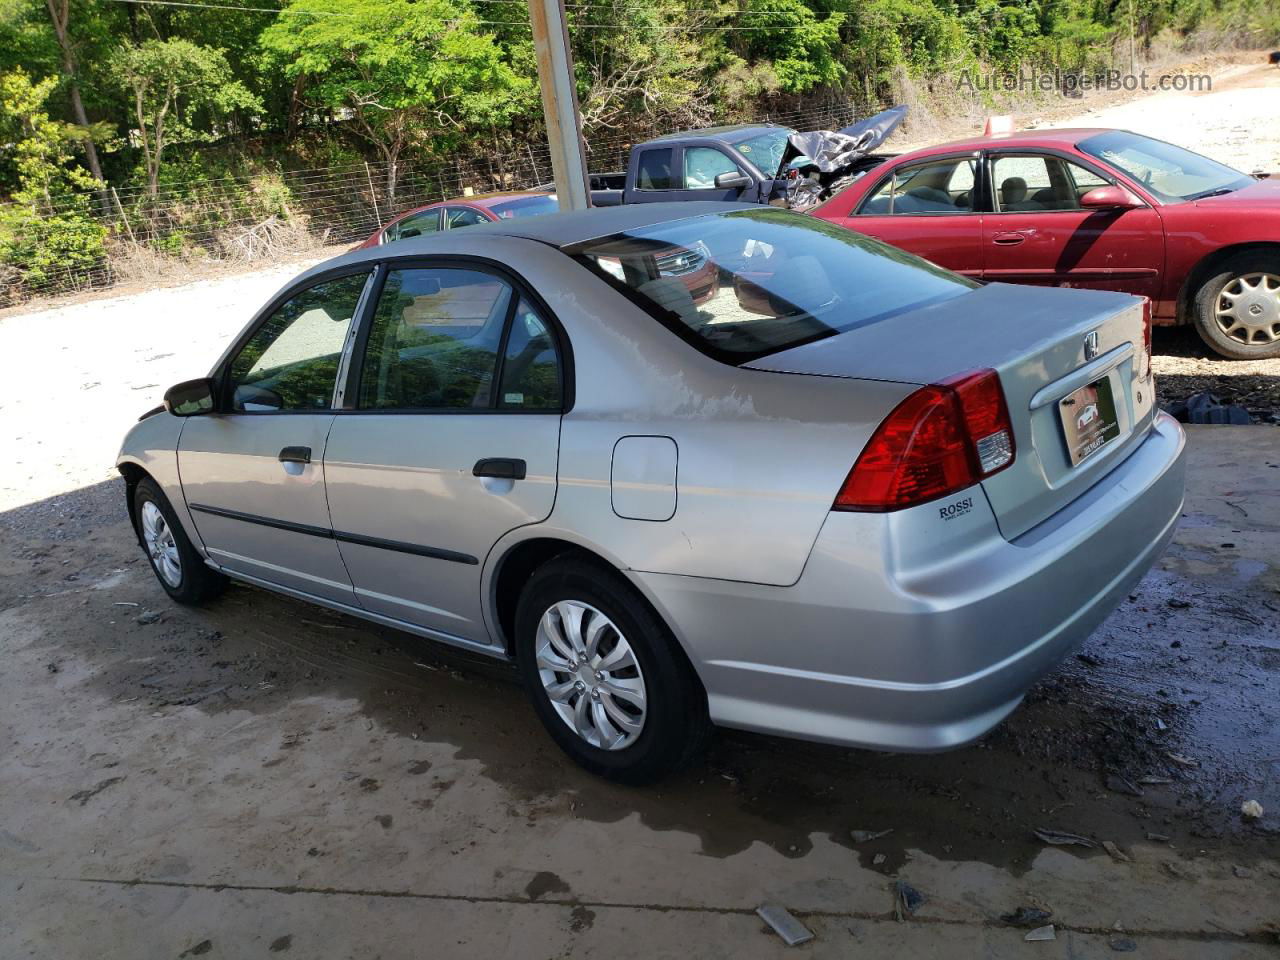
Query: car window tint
(414, 225)
(530, 369)
(434, 340)
(702, 165)
(655, 170)
(1032, 184)
(934, 186)
(291, 361)
(463, 217)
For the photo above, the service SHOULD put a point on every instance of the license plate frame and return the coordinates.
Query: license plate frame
(1089, 419)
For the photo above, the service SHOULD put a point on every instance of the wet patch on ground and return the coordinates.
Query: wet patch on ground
(1155, 732)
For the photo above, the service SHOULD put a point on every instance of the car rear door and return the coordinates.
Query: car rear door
(930, 208)
(1038, 233)
(252, 474)
(448, 440)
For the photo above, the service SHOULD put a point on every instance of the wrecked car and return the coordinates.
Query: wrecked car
(753, 163)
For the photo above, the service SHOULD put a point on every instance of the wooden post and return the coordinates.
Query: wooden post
(560, 103)
(373, 194)
(120, 207)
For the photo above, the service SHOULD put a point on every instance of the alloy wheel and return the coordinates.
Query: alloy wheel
(1248, 308)
(160, 545)
(591, 675)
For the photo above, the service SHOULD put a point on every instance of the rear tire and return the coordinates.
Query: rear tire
(176, 563)
(1243, 297)
(627, 704)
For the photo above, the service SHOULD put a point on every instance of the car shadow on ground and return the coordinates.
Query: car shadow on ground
(1072, 757)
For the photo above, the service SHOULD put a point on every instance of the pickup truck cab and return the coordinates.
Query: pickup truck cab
(752, 163)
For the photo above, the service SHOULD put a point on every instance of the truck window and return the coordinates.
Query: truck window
(702, 165)
(654, 171)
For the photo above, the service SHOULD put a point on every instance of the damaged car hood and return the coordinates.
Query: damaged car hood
(831, 151)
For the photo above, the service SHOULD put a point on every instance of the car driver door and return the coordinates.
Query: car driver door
(451, 440)
(1039, 233)
(252, 472)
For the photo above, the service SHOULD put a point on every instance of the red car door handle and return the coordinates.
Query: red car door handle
(1008, 239)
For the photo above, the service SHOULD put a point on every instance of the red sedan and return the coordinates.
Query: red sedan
(1090, 208)
(463, 212)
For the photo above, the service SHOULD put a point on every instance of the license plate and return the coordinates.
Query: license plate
(1089, 419)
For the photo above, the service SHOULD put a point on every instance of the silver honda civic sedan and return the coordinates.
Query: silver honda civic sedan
(684, 464)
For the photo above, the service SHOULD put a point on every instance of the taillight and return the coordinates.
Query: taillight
(1146, 337)
(942, 438)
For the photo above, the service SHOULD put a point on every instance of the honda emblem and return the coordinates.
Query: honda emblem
(1091, 345)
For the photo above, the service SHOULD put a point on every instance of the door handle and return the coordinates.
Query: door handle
(500, 468)
(1008, 239)
(295, 455)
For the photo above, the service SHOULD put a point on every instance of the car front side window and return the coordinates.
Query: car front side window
(931, 187)
(413, 225)
(290, 363)
(455, 217)
(702, 165)
(1033, 183)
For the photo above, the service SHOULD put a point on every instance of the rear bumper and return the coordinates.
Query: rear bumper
(907, 631)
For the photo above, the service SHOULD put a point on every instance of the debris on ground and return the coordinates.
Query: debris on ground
(1183, 761)
(1207, 408)
(1041, 933)
(148, 617)
(1122, 945)
(1115, 852)
(1117, 783)
(1251, 809)
(878, 859)
(791, 930)
(1178, 603)
(1242, 873)
(907, 900)
(1026, 917)
(1060, 838)
(866, 836)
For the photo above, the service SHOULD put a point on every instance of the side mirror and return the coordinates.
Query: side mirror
(1109, 198)
(732, 181)
(190, 398)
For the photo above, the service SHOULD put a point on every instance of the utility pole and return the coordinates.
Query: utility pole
(560, 103)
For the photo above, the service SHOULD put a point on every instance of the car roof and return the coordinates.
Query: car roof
(480, 200)
(731, 132)
(1057, 137)
(566, 229)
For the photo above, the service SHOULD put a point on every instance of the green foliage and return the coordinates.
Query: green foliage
(402, 70)
(181, 93)
(48, 227)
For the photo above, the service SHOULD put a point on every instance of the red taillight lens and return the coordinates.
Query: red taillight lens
(942, 438)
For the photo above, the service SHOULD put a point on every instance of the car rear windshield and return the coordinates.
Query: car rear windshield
(525, 207)
(744, 284)
(1171, 173)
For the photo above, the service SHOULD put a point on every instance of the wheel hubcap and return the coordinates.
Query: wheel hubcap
(1249, 308)
(590, 675)
(160, 545)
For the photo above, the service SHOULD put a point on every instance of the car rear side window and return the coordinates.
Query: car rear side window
(751, 282)
(290, 362)
(434, 340)
(654, 170)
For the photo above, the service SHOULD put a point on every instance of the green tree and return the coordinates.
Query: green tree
(49, 226)
(402, 71)
(180, 93)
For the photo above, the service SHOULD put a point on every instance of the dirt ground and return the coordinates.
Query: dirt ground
(260, 775)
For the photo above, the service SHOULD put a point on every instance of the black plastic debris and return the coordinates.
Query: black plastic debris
(1207, 408)
(1026, 917)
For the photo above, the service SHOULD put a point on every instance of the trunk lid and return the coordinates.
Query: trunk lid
(1036, 341)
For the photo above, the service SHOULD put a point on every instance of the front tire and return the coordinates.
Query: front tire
(1237, 311)
(606, 677)
(174, 560)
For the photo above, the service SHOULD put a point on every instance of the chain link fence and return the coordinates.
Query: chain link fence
(258, 218)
